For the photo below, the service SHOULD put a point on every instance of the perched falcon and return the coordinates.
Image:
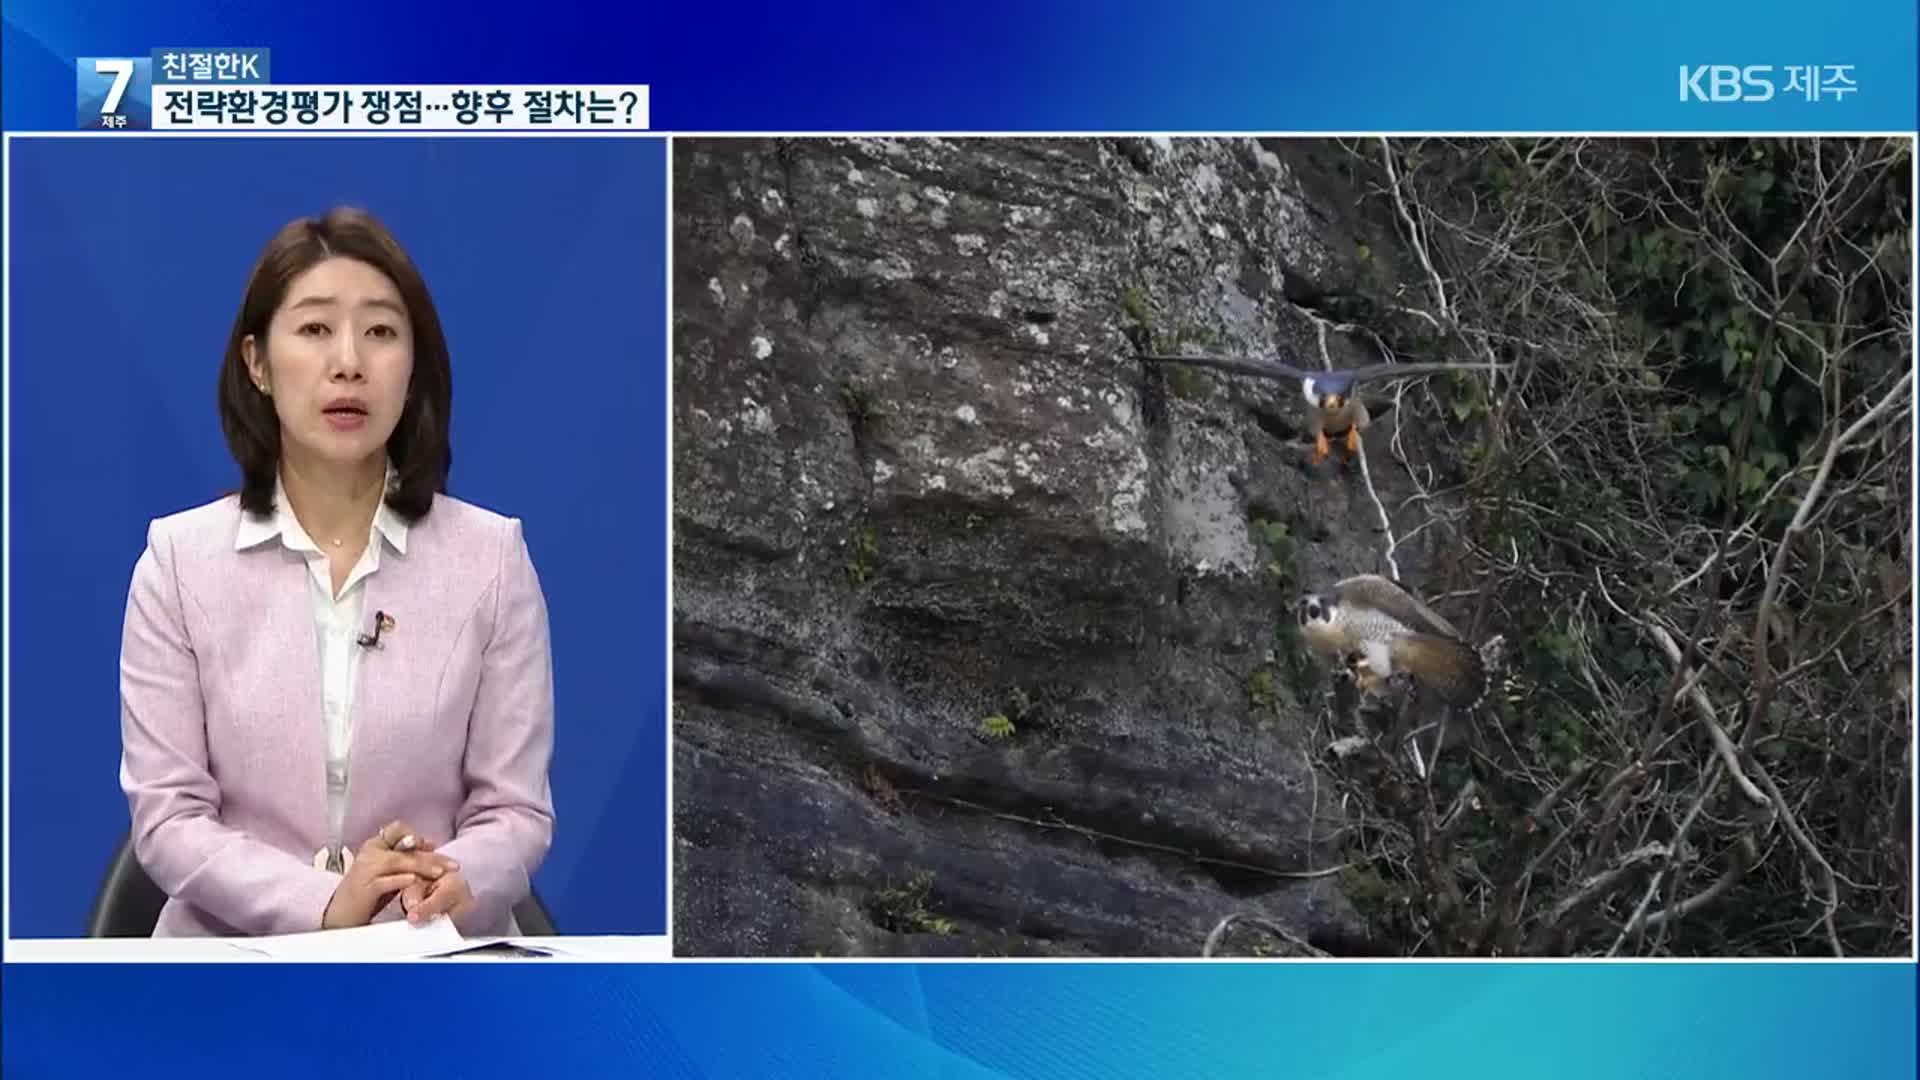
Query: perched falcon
(1379, 629)
(1332, 407)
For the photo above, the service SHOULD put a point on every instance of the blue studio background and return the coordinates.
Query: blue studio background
(545, 258)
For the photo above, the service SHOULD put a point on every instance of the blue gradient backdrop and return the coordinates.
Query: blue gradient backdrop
(546, 260)
(1005, 65)
(1122, 65)
(1746, 1022)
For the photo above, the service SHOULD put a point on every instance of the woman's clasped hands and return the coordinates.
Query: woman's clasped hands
(397, 861)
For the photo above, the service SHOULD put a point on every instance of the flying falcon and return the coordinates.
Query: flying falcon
(1379, 629)
(1333, 408)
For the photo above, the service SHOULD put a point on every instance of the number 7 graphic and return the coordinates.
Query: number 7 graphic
(122, 72)
(114, 92)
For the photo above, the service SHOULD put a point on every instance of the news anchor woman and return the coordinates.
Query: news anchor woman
(336, 690)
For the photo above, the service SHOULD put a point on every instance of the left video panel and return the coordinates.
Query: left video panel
(337, 513)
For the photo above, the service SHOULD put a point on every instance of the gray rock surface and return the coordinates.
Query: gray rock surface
(921, 482)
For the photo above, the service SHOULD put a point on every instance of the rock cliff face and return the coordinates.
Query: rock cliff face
(974, 639)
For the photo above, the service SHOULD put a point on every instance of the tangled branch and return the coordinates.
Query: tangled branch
(1687, 509)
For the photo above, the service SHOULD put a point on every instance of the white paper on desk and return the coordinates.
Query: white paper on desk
(621, 949)
(396, 940)
(484, 948)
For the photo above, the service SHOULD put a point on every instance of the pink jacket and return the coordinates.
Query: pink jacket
(223, 738)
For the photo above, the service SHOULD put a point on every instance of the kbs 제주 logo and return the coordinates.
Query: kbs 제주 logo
(1754, 83)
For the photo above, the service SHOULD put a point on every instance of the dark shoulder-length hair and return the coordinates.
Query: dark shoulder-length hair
(418, 448)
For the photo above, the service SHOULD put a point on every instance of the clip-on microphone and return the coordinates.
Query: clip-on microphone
(381, 621)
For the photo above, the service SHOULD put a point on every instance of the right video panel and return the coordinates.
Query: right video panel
(1292, 547)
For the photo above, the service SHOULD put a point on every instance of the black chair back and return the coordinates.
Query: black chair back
(533, 918)
(128, 903)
